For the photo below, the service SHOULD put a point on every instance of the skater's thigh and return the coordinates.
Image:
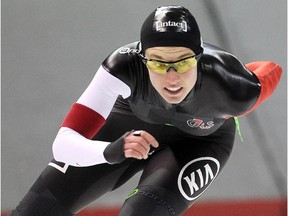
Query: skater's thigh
(175, 177)
(77, 187)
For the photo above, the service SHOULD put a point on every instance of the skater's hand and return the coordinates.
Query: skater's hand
(138, 144)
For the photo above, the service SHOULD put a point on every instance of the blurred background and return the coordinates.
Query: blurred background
(51, 50)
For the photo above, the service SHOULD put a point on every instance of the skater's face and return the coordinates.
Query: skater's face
(172, 71)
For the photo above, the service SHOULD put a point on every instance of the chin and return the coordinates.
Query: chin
(173, 101)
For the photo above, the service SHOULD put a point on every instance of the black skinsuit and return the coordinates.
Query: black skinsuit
(224, 88)
(195, 137)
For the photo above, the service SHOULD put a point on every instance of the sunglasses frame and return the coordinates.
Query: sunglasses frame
(145, 59)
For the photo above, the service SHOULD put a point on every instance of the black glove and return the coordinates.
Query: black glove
(114, 152)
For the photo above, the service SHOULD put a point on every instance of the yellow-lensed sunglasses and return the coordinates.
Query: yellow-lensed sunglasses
(162, 67)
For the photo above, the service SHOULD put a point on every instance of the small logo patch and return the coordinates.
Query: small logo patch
(135, 191)
(127, 50)
(199, 123)
(180, 25)
(58, 166)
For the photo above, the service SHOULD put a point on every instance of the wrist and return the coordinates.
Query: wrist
(114, 152)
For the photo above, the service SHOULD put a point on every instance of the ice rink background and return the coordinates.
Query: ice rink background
(51, 50)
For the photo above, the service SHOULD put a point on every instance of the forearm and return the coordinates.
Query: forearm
(72, 148)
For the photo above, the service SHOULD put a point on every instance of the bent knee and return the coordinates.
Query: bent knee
(151, 200)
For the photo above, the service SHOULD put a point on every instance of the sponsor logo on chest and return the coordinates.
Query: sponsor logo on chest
(199, 123)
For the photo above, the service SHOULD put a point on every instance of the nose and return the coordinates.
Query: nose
(172, 76)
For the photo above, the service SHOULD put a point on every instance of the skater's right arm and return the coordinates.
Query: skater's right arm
(73, 144)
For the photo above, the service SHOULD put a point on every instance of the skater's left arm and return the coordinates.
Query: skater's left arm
(269, 74)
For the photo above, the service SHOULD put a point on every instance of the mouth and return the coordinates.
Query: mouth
(173, 90)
